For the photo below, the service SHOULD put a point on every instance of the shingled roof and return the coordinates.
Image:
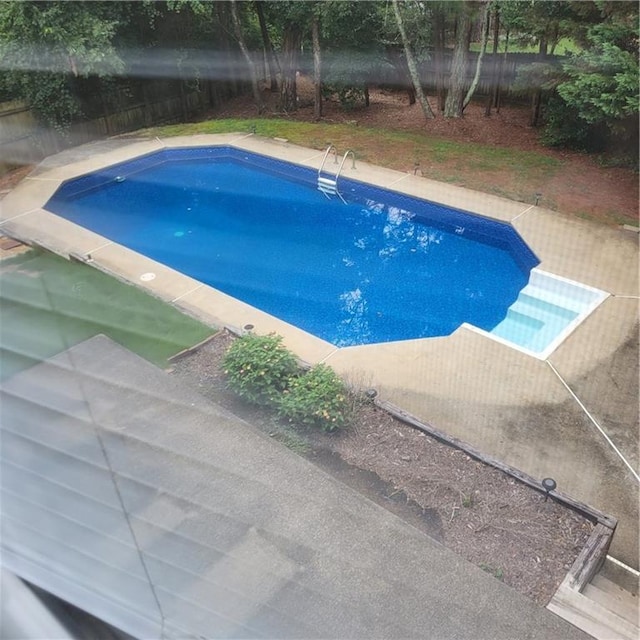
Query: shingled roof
(129, 495)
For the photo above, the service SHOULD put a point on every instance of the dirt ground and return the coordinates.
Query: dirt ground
(495, 522)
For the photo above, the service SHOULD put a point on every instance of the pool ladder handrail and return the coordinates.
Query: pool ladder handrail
(329, 185)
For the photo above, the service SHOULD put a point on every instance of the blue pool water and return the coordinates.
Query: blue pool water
(382, 267)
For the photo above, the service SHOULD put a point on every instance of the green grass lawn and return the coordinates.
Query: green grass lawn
(369, 144)
(49, 304)
(562, 48)
(440, 159)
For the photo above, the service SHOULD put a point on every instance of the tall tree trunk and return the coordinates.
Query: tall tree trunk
(554, 38)
(272, 62)
(413, 70)
(483, 48)
(291, 42)
(317, 68)
(498, 94)
(493, 88)
(536, 100)
(399, 63)
(231, 81)
(183, 101)
(458, 78)
(237, 27)
(439, 59)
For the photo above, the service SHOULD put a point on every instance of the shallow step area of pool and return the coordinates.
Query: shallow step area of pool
(546, 311)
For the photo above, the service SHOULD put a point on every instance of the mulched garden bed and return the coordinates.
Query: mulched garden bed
(479, 512)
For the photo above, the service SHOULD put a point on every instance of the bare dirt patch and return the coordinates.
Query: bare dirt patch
(10, 179)
(477, 511)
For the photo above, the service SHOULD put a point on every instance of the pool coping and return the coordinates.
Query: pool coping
(27, 205)
(29, 222)
(435, 379)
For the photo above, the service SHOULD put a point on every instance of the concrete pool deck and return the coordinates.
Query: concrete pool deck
(502, 401)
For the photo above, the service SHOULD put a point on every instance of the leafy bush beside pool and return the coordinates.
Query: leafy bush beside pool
(262, 370)
(317, 398)
(259, 368)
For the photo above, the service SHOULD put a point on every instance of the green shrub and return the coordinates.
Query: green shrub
(318, 398)
(259, 368)
(564, 128)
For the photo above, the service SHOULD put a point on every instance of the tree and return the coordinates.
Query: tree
(413, 69)
(540, 23)
(46, 46)
(439, 16)
(237, 27)
(292, 20)
(272, 61)
(351, 40)
(454, 104)
(602, 80)
(483, 48)
(317, 67)
(492, 97)
(598, 96)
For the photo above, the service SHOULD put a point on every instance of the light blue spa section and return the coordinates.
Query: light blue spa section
(546, 311)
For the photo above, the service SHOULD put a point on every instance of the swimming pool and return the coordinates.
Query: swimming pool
(381, 267)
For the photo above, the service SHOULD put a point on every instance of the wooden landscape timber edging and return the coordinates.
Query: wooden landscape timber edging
(590, 559)
(594, 552)
(588, 512)
(189, 350)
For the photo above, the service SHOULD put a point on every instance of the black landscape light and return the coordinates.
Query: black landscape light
(371, 394)
(548, 484)
(537, 196)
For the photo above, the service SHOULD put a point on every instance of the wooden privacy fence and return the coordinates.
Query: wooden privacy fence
(24, 141)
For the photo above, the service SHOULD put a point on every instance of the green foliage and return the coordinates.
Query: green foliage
(45, 46)
(536, 22)
(352, 51)
(467, 500)
(259, 368)
(564, 128)
(496, 572)
(602, 81)
(346, 81)
(318, 398)
(599, 96)
(350, 97)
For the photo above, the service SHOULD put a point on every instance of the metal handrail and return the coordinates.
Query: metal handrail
(344, 157)
(324, 158)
